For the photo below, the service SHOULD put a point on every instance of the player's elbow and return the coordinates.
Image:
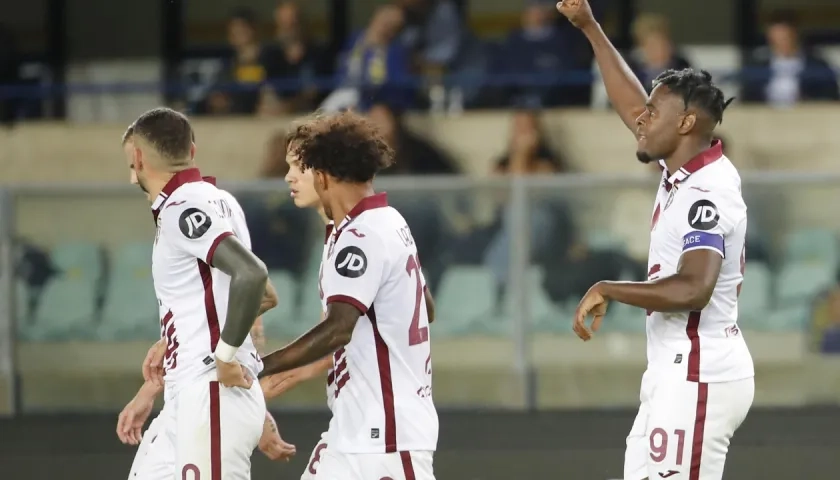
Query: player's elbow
(256, 274)
(698, 296)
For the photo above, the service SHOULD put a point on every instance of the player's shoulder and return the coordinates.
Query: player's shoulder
(198, 203)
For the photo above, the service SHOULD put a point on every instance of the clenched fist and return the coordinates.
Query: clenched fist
(578, 12)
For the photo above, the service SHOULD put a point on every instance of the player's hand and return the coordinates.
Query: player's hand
(233, 374)
(133, 417)
(272, 445)
(578, 12)
(280, 383)
(593, 303)
(153, 364)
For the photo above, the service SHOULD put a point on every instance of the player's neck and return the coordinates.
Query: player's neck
(156, 183)
(349, 197)
(685, 152)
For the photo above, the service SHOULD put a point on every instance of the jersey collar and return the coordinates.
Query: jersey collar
(190, 175)
(378, 200)
(706, 157)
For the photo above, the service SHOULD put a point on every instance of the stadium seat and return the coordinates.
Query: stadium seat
(131, 307)
(465, 301)
(604, 240)
(755, 294)
(811, 245)
(283, 320)
(539, 303)
(794, 318)
(67, 306)
(798, 283)
(624, 318)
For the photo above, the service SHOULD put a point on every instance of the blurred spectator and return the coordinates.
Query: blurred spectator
(656, 52)
(8, 73)
(413, 154)
(543, 52)
(433, 30)
(825, 322)
(374, 67)
(278, 228)
(786, 72)
(528, 154)
(246, 69)
(295, 61)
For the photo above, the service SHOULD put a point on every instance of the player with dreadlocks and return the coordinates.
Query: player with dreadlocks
(699, 385)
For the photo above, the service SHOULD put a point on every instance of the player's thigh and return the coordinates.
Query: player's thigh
(636, 452)
(314, 459)
(155, 457)
(727, 405)
(218, 429)
(675, 424)
(376, 466)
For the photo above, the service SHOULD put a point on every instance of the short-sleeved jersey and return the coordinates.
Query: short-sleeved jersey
(382, 393)
(331, 380)
(700, 207)
(193, 217)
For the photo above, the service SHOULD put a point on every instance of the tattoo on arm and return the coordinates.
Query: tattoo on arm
(248, 277)
(325, 338)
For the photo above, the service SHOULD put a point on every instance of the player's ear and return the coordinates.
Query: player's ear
(687, 122)
(192, 151)
(137, 159)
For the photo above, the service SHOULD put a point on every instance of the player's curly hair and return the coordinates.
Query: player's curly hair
(697, 89)
(344, 145)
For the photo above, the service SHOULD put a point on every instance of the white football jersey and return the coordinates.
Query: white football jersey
(331, 380)
(193, 217)
(382, 391)
(700, 207)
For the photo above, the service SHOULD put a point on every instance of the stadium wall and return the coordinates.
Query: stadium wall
(580, 445)
(594, 141)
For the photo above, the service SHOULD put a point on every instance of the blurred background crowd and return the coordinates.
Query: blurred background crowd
(517, 180)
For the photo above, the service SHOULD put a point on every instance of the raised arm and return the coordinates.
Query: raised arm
(248, 277)
(626, 92)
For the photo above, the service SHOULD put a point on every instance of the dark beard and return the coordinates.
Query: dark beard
(644, 157)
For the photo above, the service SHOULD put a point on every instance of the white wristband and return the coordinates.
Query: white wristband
(225, 352)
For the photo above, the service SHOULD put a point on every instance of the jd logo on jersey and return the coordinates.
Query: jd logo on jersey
(703, 215)
(351, 262)
(194, 223)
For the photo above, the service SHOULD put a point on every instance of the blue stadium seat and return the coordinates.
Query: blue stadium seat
(624, 318)
(131, 307)
(465, 301)
(798, 283)
(283, 320)
(67, 306)
(754, 300)
(813, 246)
(793, 318)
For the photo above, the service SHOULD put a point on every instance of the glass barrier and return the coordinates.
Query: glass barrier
(507, 262)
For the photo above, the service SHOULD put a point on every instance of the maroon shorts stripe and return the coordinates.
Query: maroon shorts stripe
(408, 467)
(215, 433)
(383, 359)
(694, 353)
(699, 426)
(209, 304)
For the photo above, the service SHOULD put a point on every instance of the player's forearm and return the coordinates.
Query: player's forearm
(670, 294)
(270, 298)
(626, 92)
(324, 339)
(258, 336)
(248, 277)
(149, 390)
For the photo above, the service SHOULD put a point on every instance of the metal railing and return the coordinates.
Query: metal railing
(510, 210)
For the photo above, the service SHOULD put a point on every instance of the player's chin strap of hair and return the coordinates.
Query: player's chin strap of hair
(225, 352)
